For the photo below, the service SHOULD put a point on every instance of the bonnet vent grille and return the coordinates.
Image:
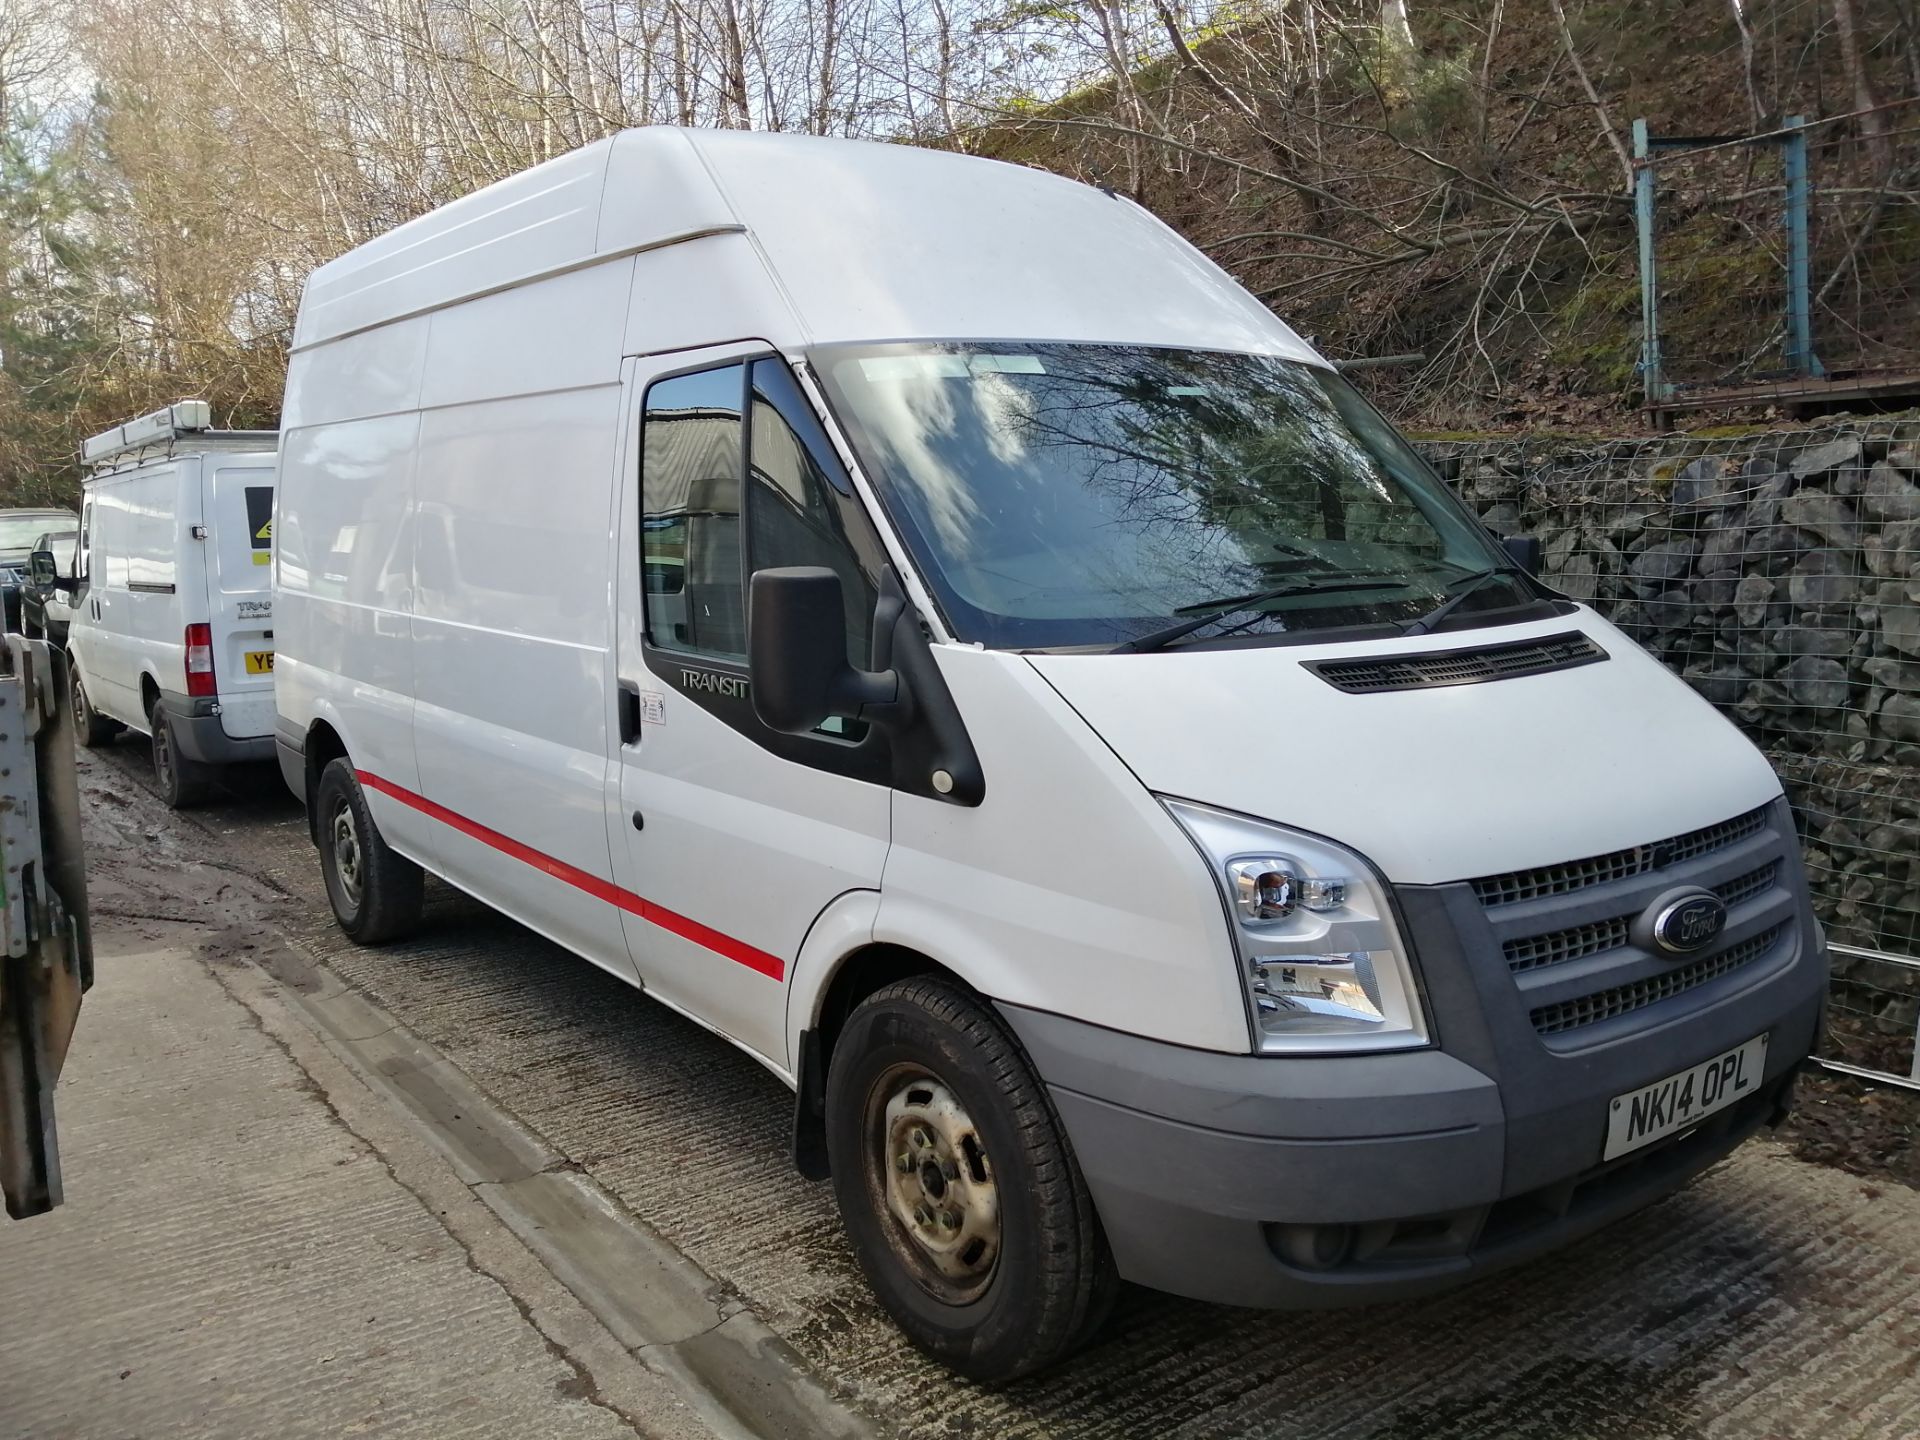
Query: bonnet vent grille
(1434, 668)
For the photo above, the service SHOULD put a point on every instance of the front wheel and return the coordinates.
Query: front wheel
(376, 895)
(958, 1186)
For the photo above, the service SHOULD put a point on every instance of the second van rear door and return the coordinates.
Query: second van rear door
(237, 506)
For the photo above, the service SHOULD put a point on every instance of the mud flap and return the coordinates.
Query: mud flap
(810, 1111)
(47, 959)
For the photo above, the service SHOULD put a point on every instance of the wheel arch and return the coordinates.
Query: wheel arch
(840, 964)
(322, 745)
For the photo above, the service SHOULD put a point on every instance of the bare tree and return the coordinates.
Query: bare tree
(1873, 124)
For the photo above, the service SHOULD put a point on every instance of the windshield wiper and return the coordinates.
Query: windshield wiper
(1214, 609)
(1424, 623)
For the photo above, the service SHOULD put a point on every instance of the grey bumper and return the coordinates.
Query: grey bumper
(1232, 1178)
(293, 764)
(198, 735)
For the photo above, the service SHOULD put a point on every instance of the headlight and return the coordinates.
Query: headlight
(1324, 964)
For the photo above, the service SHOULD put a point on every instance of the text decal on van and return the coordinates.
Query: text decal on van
(708, 938)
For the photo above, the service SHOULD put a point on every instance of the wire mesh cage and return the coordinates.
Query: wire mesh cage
(1777, 572)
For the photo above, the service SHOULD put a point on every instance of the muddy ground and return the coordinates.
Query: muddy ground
(1774, 1297)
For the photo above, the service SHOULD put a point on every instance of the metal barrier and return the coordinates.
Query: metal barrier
(1781, 266)
(1778, 572)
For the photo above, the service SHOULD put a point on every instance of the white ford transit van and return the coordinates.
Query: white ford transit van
(172, 612)
(922, 620)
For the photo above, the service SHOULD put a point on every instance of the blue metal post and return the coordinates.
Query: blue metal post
(1643, 180)
(1800, 357)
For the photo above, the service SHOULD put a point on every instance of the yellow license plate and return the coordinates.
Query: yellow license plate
(259, 662)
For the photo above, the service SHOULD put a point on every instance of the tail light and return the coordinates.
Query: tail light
(200, 679)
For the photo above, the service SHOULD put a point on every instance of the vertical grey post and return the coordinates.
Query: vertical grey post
(1650, 380)
(1793, 149)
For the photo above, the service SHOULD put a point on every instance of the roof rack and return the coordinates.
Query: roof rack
(185, 426)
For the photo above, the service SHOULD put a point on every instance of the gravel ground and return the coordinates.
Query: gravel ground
(1775, 1297)
(1865, 1129)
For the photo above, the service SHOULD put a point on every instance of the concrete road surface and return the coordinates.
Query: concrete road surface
(1773, 1298)
(251, 1247)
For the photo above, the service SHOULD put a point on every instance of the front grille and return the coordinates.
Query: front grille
(1574, 875)
(1625, 999)
(1755, 882)
(1534, 951)
(1459, 667)
(1530, 952)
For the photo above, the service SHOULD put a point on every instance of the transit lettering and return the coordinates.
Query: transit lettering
(734, 687)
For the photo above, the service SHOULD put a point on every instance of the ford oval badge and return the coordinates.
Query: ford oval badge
(1689, 922)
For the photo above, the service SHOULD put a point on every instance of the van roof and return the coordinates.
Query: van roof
(857, 241)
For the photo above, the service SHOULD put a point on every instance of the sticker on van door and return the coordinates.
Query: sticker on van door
(260, 523)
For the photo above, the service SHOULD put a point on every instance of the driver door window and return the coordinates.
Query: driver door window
(690, 465)
(737, 476)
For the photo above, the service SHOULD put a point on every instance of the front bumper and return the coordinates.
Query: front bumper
(1317, 1182)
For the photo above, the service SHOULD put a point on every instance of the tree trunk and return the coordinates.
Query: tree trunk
(1873, 128)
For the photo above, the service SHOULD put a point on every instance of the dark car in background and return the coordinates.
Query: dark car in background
(42, 612)
(20, 533)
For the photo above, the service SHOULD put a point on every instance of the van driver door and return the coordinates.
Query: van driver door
(729, 837)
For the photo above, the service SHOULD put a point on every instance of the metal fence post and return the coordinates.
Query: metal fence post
(1793, 149)
(1643, 178)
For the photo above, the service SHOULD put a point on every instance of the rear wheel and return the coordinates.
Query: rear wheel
(377, 895)
(958, 1186)
(90, 727)
(183, 782)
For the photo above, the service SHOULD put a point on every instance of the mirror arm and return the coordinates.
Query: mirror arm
(871, 695)
(932, 753)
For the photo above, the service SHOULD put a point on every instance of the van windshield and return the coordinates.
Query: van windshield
(1089, 495)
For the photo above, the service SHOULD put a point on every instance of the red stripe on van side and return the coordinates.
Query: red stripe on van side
(705, 936)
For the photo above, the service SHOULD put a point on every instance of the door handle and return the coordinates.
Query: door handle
(629, 713)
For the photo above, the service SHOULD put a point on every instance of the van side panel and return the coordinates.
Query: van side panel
(529, 223)
(343, 543)
(100, 650)
(144, 519)
(513, 603)
(343, 613)
(700, 293)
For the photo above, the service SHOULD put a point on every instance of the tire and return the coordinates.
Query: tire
(376, 894)
(924, 1070)
(183, 783)
(90, 727)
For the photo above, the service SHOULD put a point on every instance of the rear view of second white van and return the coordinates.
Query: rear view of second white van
(172, 633)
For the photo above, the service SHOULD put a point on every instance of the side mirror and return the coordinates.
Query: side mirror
(1525, 551)
(797, 652)
(41, 569)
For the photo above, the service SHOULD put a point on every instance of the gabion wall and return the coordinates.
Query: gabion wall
(1779, 573)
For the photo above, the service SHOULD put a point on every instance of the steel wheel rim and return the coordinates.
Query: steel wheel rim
(346, 856)
(929, 1174)
(162, 752)
(79, 698)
